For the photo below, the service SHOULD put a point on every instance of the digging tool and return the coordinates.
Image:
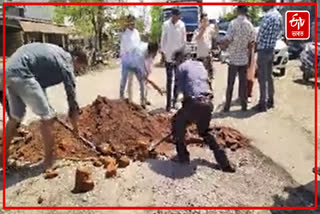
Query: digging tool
(84, 140)
(154, 145)
(155, 86)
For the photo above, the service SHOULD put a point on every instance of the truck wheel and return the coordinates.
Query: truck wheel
(282, 72)
(305, 77)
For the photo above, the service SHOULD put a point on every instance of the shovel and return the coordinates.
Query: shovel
(84, 140)
(157, 143)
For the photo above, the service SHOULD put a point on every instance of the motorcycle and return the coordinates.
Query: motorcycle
(307, 59)
(281, 57)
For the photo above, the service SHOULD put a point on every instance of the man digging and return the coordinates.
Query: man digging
(197, 107)
(138, 61)
(30, 70)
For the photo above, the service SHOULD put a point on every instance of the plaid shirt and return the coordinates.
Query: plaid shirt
(270, 30)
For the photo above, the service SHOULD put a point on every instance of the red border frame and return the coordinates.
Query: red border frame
(158, 208)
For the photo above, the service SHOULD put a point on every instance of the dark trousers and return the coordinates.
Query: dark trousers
(196, 111)
(265, 60)
(249, 88)
(7, 104)
(233, 70)
(171, 73)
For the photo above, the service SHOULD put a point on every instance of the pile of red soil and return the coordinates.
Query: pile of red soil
(117, 128)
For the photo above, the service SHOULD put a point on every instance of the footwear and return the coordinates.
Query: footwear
(226, 108)
(249, 100)
(260, 108)
(229, 169)
(270, 104)
(244, 108)
(185, 159)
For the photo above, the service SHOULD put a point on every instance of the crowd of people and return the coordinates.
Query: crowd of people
(34, 67)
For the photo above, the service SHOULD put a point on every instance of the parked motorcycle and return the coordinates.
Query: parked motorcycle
(281, 57)
(307, 59)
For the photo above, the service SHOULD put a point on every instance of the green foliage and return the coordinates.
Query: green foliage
(230, 15)
(140, 25)
(156, 26)
(253, 12)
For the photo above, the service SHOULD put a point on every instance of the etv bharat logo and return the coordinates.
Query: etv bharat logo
(297, 24)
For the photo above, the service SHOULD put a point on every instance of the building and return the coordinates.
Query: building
(22, 29)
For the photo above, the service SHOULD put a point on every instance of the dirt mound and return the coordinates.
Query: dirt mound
(116, 128)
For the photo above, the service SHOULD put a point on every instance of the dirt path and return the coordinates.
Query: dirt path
(284, 134)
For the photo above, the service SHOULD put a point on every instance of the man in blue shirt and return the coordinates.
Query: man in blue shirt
(269, 32)
(29, 71)
(193, 82)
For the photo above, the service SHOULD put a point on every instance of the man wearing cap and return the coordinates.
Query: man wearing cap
(197, 107)
(204, 37)
(29, 71)
(269, 32)
(240, 39)
(130, 39)
(172, 39)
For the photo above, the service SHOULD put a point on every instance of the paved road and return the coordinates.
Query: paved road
(285, 134)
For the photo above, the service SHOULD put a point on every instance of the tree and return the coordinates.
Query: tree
(140, 25)
(89, 20)
(156, 25)
(253, 13)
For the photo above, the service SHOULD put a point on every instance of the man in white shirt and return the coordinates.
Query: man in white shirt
(173, 38)
(130, 39)
(204, 37)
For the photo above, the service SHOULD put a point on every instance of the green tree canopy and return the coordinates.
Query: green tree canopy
(254, 13)
(156, 25)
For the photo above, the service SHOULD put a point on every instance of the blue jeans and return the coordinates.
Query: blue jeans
(124, 79)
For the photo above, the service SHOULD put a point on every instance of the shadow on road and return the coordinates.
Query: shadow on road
(177, 170)
(235, 114)
(16, 175)
(310, 83)
(297, 197)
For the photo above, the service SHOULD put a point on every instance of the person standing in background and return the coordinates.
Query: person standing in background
(130, 39)
(240, 37)
(269, 33)
(173, 38)
(204, 37)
